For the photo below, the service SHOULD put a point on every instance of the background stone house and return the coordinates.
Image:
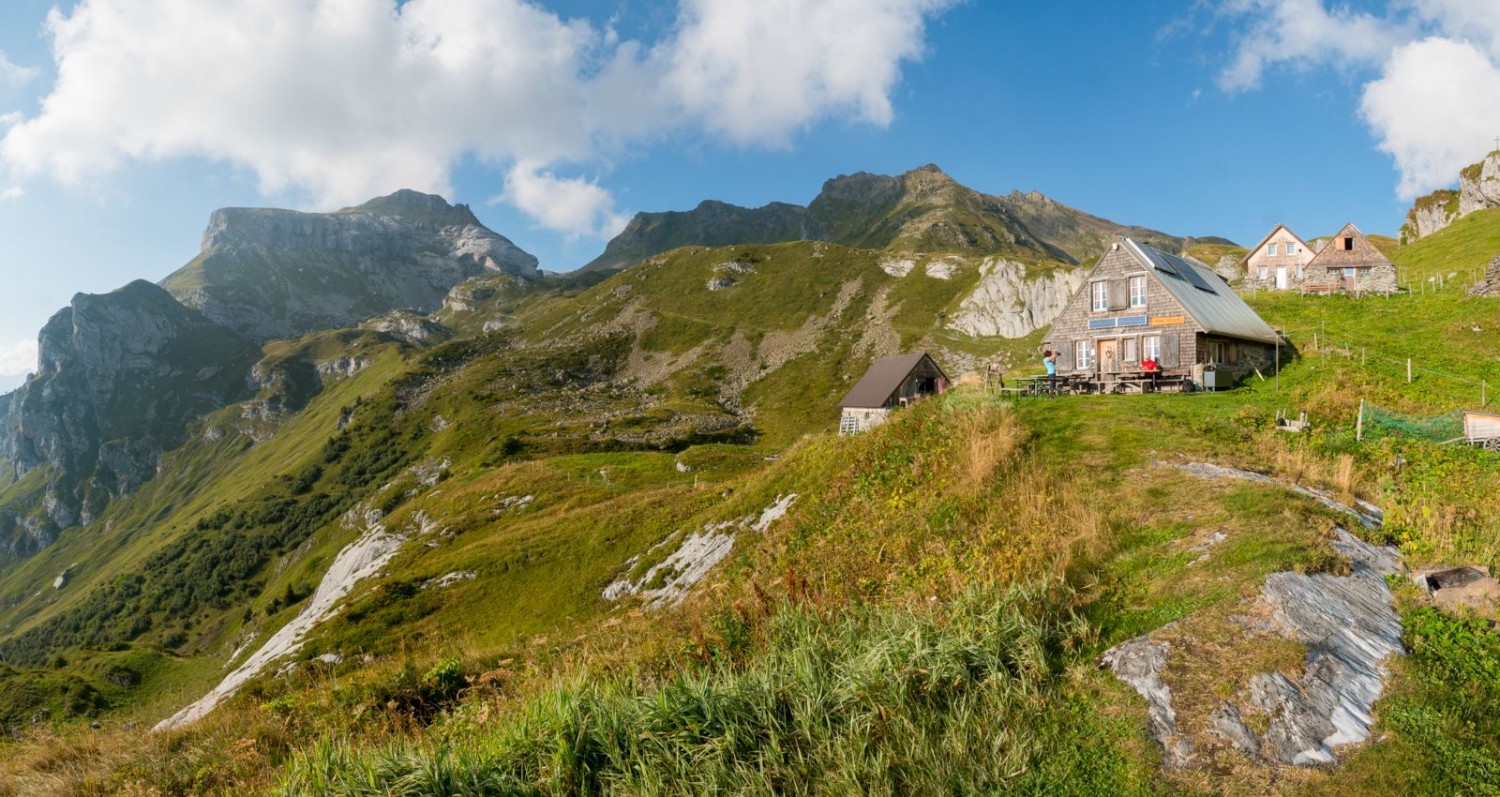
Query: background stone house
(890, 383)
(1349, 263)
(1139, 301)
(1278, 262)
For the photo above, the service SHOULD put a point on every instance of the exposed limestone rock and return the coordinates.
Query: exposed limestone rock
(695, 556)
(898, 267)
(358, 561)
(1007, 304)
(1479, 185)
(119, 376)
(1228, 267)
(943, 269)
(1489, 285)
(1139, 663)
(1349, 627)
(1478, 189)
(408, 326)
(268, 273)
(342, 368)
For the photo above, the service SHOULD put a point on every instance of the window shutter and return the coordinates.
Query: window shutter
(1169, 353)
(1119, 294)
(1064, 355)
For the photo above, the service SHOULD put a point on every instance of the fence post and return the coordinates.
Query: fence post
(1408, 370)
(1359, 423)
(1484, 394)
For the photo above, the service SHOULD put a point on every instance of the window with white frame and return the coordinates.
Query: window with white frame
(1138, 291)
(1216, 351)
(1083, 354)
(1263, 272)
(1271, 249)
(1132, 351)
(1101, 296)
(1151, 344)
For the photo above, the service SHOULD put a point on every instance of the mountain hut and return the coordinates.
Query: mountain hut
(1349, 263)
(890, 383)
(1278, 262)
(1139, 302)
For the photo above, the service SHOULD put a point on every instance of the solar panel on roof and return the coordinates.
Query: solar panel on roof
(1191, 275)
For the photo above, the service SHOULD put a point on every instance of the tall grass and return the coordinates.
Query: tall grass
(878, 700)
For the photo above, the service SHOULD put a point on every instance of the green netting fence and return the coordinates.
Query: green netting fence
(1376, 423)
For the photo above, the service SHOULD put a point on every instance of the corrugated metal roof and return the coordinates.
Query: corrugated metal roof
(1204, 294)
(886, 374)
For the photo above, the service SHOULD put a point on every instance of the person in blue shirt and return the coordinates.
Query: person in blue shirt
(1050, 360)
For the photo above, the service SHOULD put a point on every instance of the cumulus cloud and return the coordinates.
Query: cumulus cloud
(1435, 109)
(1431, 72)
(1304, 33)
(756, 70)
(347, 99)
(572, 206)
(12, 75)
(18, 359)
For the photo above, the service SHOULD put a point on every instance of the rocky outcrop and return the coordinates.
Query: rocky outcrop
(1430, 214)
(1479, 185)
(923, 210)
(267, 273)
(1009, 303)
(1478, 189)
(1489, 285)
(119, 377)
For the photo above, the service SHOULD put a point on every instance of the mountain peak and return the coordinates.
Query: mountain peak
(416, 206)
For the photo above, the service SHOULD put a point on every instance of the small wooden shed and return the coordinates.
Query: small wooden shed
(890, 383)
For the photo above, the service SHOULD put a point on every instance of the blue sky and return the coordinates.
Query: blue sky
(557, 120)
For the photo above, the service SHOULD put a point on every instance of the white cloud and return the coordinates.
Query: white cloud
(1435, 104)
(1303, 33)
(347, 99)
(12, 75)
(1435, 110)
(569, 206)
(18, 359)
(757, 70)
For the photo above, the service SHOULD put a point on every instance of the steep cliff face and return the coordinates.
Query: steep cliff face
(119, 377)
(1479, 185)
(923, 210)
(268, 273)
(1010, 303)
(1478, 189)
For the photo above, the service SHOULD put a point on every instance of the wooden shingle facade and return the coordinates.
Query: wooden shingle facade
(1349, 263)
(1140, 302)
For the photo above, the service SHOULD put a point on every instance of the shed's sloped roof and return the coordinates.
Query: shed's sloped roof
(1203, 294)
(884, 377)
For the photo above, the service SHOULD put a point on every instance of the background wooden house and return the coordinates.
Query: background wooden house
(891, 382)
(1349, 263)
(1140, 302)
(1278, 262)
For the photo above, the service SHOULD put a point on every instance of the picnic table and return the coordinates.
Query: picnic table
(1043, 385)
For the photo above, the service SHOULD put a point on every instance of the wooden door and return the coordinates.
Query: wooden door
(1281, 278)
(1109, 356)
(1351, 283)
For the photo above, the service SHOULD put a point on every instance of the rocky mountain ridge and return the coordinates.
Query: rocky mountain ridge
(268, 273)
(1478, 189)
(922, 210)
(122, 374)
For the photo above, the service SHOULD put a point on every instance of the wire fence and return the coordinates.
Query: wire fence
(1325, 343)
